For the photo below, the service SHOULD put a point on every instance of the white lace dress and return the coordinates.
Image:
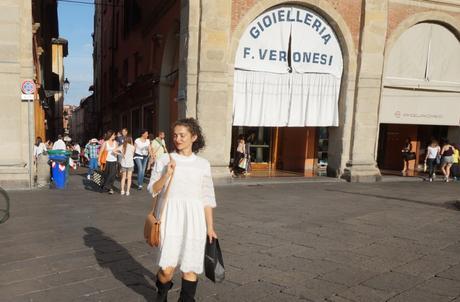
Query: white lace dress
(183, 229)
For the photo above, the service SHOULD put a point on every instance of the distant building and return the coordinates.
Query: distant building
(312, 83)
(30, 48)
(49, 51)
(84, 121)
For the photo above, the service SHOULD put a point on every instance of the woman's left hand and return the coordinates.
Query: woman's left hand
(211, 234)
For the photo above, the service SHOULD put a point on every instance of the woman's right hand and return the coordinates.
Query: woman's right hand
(171, 167)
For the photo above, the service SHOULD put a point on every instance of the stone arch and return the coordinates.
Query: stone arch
(444, 19)
(169, 79)
(340, 137)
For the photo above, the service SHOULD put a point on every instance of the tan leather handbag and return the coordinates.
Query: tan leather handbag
(152, 224)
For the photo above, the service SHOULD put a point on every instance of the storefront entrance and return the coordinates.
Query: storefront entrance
(286, 88)
(391, 142)
(421, 94)
(302, 150)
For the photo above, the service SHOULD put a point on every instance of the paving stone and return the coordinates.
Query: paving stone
(284, 250)
(104, 283)
(362, 293)
(318, 232)
(70, 292)
(390, 251)
(19, 288)
(417, 295)
(393, 282)
(442, 286)
(72, 276)
(425, 267)
(452, 273)
(254, 291)
(281, 297)
(348, 276)
(316, 290)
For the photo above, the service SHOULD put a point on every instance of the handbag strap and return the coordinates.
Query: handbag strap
(154, 203)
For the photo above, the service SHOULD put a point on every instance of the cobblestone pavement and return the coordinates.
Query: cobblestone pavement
(337, 242)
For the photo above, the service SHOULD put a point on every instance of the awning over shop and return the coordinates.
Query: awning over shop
(288, 71)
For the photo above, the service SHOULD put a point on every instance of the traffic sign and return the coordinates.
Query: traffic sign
(28, 87)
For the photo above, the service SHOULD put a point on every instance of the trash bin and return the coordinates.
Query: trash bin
(58, 170)
(59, 160)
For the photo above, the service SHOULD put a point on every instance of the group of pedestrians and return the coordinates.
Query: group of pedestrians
(445, 157)
(119, 155)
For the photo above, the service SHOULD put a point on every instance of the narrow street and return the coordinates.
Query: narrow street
(313, 241)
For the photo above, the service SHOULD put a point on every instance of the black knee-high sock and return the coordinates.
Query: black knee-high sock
(188, 290)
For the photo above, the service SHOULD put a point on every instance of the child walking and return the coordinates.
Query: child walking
(127, 164)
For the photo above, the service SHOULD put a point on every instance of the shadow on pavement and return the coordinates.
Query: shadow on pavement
(112, 255)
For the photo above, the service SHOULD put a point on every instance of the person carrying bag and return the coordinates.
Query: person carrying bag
(186, 199)
(152, 224)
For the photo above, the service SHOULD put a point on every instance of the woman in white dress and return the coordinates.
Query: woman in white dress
(188, 218)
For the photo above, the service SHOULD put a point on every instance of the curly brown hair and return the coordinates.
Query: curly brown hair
(195, 129)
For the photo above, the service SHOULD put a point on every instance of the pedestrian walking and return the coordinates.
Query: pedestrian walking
(126, 151)
(49, 145)
(141, 156)
(455, 169)
(188, 220)
(407, 155)
(447, 153)
(110, 170)
(39, 148)
(76, 147)
(432, 158)
(123, 134)
(240, 158)
(92, 154)
(59, 144)
(158, 148)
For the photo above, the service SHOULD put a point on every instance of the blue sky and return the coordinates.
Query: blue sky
(76, 25)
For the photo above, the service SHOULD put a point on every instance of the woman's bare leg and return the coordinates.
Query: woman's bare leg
(443, 169)
(123, 178)
(130, 175)
(448, 171)
(191, 276)
(165, 275)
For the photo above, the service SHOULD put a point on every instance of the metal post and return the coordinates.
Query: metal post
(31, 144)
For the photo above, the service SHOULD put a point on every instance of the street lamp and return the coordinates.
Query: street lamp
(66, 85)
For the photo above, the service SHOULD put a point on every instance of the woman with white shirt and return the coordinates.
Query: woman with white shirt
(188, 213)
(126, 151)
(432, 153)
(141, 156)
(110, 172)
(39, 148)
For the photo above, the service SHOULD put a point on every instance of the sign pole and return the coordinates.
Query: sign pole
(28, 90)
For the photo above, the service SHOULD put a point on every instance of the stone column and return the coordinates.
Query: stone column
(362, 165)
(189, 57)
(212, 108)
(16, 65)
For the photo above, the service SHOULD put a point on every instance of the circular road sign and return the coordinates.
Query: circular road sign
(28, 87)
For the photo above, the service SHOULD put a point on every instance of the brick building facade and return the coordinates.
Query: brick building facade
(136, 47)
(373, 36)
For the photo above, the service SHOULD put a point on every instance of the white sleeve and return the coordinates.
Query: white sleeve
(158, 170)
(208, 194)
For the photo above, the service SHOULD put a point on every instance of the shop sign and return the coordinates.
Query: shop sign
(417, 107)
(290, 39)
